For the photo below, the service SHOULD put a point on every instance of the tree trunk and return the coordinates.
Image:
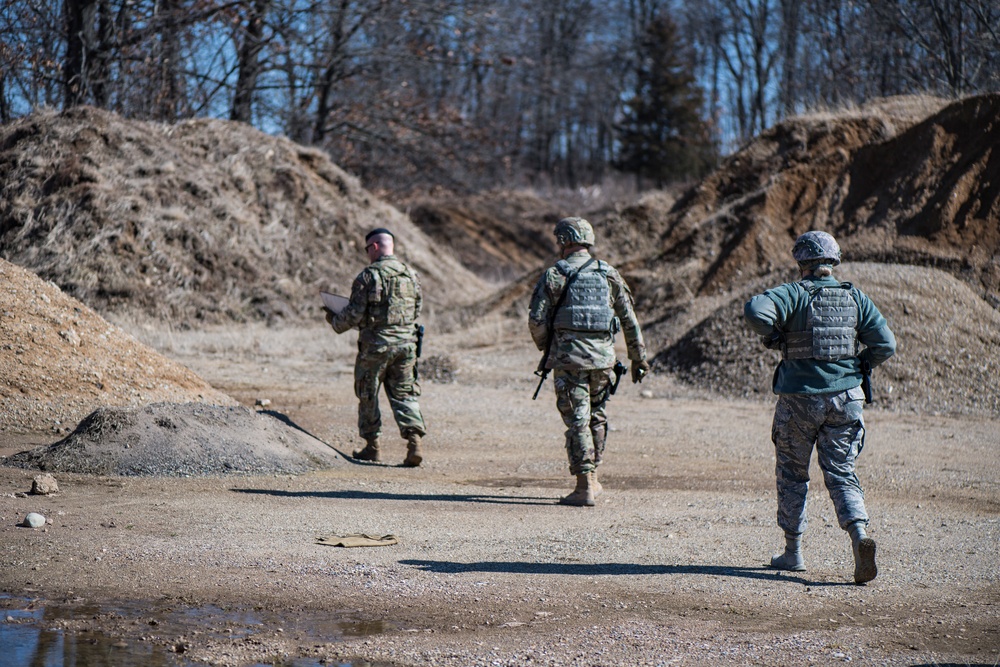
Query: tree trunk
(248, 62)
(81, 38)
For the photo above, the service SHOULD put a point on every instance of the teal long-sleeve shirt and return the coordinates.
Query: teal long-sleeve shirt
(784, 308)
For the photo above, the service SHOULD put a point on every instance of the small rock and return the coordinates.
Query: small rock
(646, 393)
(43, 485)
(34, 520)
(71, 337)
(262, 402)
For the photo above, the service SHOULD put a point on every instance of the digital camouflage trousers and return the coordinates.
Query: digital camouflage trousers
(582, 399)
(394, 367)
(833, 424)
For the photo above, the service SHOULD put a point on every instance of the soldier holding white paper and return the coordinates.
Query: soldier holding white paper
(384, 305)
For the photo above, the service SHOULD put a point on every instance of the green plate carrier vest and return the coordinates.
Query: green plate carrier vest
(587, 307)
(831, 326)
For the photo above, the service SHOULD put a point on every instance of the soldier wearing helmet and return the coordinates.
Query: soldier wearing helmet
(830, 336)
(577, 308)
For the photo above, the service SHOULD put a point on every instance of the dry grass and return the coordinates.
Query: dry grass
(195, 223)
(898, 111)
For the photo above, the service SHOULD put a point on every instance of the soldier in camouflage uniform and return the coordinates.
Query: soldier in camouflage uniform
(385, 304)
(820, 325)
(577, 326)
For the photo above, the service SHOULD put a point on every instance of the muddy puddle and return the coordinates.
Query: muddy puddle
(35, 633)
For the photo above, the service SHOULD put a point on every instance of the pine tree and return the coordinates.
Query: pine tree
(663, 137)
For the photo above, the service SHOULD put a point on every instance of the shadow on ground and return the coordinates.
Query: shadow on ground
(379, 495)
(600, 569)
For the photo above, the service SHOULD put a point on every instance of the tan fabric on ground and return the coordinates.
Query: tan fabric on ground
(357, 540)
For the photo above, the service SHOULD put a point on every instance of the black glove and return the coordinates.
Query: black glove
(639, 370)
(772, 341)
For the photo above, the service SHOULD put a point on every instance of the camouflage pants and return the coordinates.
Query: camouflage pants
(394, 367)
(582, 398)
(834, 425)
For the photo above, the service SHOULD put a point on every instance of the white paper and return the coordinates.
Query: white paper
(334, 302)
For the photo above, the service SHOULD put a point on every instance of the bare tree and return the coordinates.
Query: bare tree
(249, 37)
(472, 93)
(791, 25)
(958, 40)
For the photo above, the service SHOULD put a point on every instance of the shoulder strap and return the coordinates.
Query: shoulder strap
(810, 287)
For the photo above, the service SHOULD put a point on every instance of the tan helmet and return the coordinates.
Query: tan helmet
(571, 231)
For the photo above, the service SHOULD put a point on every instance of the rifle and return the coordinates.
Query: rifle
(866, 380)
(542, 372)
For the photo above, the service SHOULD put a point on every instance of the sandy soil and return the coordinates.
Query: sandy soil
(667, 569)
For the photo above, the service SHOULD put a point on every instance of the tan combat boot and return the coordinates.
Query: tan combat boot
(595, 486)
(413, 455)
(583, 495)
(370, 452)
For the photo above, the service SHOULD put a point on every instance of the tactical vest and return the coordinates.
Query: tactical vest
(587, 305)
(831, 330)
(393, 296)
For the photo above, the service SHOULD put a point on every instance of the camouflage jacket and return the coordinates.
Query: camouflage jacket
(385, 303)
(580, 350)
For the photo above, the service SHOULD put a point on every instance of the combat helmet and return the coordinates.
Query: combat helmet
(814, 247)
(577, 231)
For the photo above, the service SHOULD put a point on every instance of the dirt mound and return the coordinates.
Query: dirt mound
(59, 361)
(201, 221)
(947, 360)
(180, 440)
(503, 234)
(498, 235)
(910, 181)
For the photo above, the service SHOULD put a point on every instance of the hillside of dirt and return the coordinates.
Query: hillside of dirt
(198, 222)
(623, 230)
(498, 235)
(503, 234)
(60, 361)
(908, 180)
